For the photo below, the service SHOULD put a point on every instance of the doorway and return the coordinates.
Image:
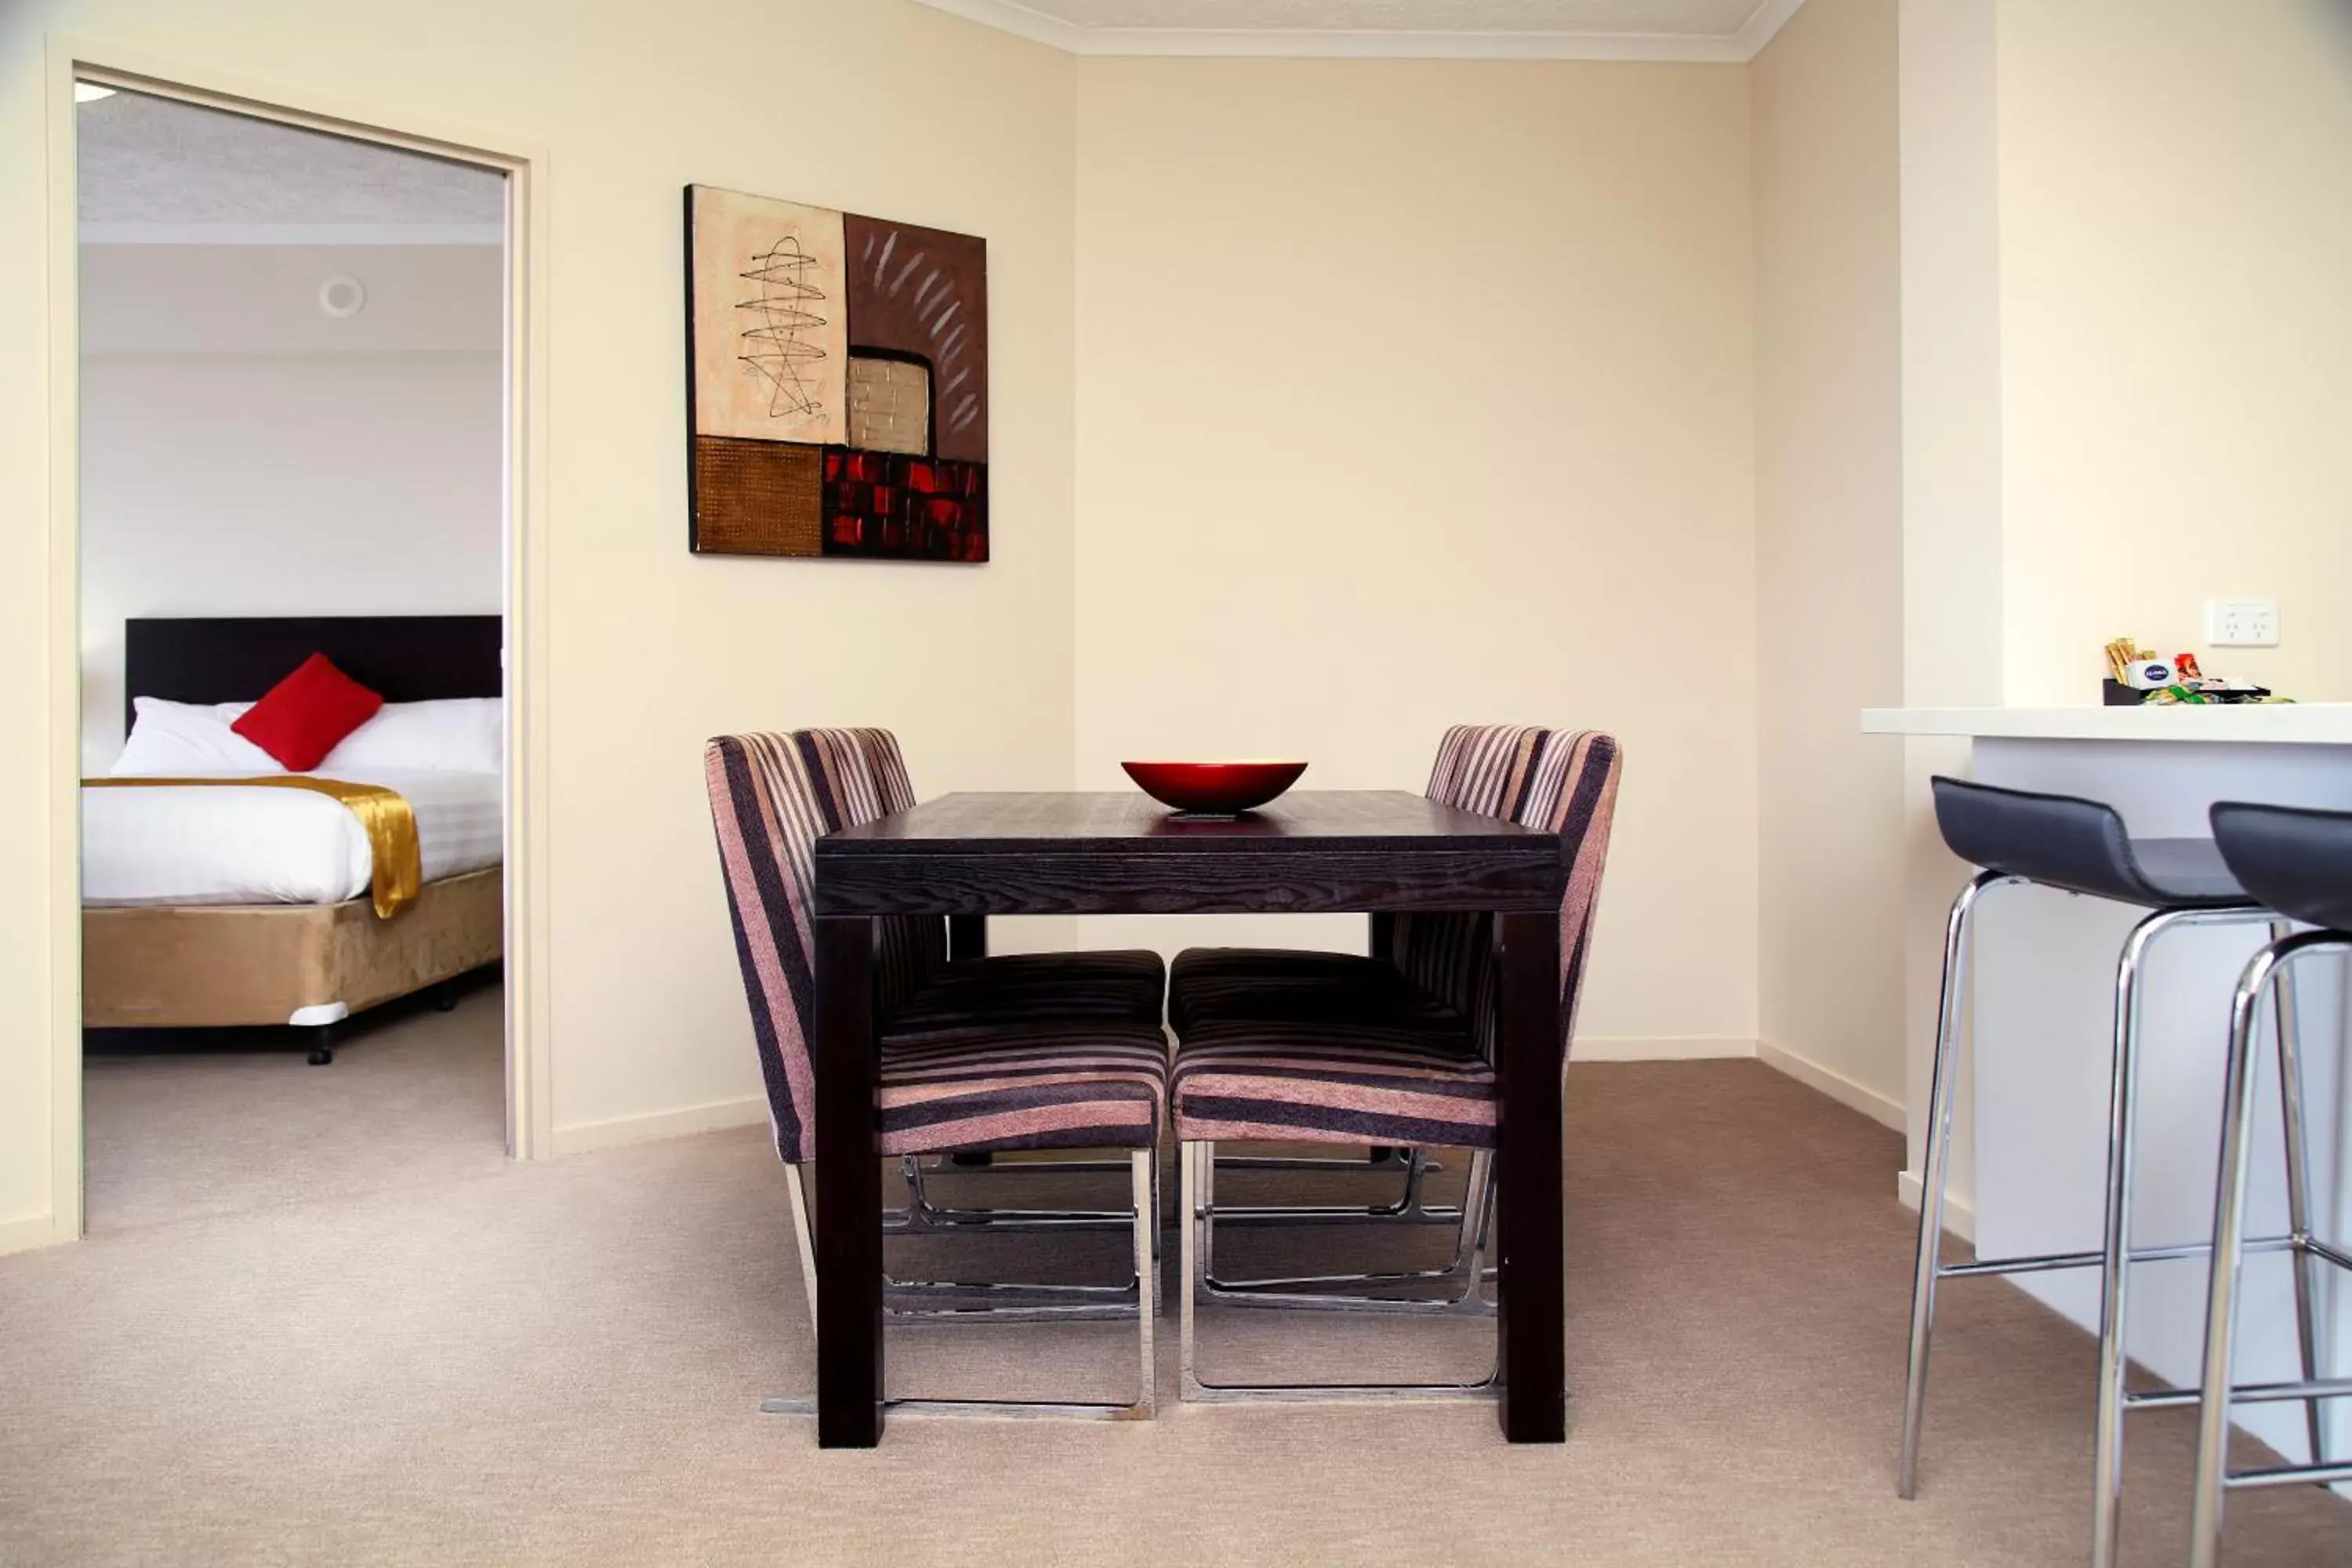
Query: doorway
(297, 425)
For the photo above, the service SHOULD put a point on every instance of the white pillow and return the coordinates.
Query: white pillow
(168, 738)
(457, 734)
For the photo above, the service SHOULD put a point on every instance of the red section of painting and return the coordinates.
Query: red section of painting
(894, 505)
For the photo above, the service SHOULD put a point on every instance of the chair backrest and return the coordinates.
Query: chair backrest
(1564, 781)
(2296, 860)
(772, 796)
(2060, 840)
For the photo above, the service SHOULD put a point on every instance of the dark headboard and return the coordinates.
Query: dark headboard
(408, 658)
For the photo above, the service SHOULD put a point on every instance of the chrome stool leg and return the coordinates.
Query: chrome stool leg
(2115, 1256)
(2108, 1446)
(2119, 1255)
(1935, 1166)
(2216, 1391)
(2298, 1187)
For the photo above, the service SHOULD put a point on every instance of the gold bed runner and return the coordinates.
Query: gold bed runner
(386, 814)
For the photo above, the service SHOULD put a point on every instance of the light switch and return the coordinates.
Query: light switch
(2242, 623)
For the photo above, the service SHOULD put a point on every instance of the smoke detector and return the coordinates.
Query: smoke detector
(342, 296)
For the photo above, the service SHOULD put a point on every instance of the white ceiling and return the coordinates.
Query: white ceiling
(159, 170)
(1719, 30)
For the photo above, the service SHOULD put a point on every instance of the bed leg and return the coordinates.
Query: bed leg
(444, 997)
(322, 1045)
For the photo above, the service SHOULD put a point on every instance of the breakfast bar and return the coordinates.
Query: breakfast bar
(2043, 1000)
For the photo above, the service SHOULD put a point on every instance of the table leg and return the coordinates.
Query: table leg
(1532, 1221)
(848, 1190)
(967, 937)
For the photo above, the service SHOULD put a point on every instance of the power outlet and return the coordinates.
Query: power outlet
(2242, 623)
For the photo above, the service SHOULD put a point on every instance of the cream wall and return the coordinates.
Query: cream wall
(2176, 237)
(271, 489)
(245, 453)
(2125, 232)
(1413, 392)
(1829, 550)
(649, 649)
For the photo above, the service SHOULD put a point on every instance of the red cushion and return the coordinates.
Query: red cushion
(306, 714)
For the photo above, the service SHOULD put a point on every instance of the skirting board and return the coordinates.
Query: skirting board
(682, 1123)
(1959, 1217)
(1660, 1048)
(23, 1235)
(1836, 1085)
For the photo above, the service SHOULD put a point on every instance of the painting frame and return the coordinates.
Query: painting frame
(836, 383)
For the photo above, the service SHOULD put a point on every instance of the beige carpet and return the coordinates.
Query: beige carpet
(559, 1363)
(188, 1122)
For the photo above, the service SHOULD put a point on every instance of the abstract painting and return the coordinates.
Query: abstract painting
(836, 383)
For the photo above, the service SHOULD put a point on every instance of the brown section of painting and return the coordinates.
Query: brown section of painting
(924, 292)
(758, 498)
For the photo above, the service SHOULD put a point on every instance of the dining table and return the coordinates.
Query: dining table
(1379, 852)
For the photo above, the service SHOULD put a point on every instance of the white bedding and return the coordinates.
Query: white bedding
(213, 846)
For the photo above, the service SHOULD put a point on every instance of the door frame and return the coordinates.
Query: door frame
(530, 1090)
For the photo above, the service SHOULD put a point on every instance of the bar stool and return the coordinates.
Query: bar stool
(2076, 847)
(2300, 864)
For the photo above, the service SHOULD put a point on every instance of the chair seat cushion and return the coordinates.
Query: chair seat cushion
(1209, 987)
(1042, 988)
(1325, 1083)
(1070, 1087)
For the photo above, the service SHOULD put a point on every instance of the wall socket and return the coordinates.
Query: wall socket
(2242, 623)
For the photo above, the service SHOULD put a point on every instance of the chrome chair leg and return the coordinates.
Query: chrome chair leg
(921, 1214)
(1143, 1166)
(1328, 1291)
(1196, 1164)
(2216, 1392)
(1410, 1207)
(1935, 1166)
(802, 1203)
(1001, 1301)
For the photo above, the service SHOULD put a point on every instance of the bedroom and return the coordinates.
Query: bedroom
(293, 472)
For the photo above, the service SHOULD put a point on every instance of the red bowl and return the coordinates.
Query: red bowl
(1214, 789)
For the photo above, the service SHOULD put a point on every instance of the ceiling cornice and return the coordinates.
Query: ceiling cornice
(1735, 48)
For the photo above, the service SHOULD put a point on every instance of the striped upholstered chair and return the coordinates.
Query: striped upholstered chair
(925, 991)
(974, 1057)
(1392, 1049)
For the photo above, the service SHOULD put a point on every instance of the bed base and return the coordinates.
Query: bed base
(308, 965)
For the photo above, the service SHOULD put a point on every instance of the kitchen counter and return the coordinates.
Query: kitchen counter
(2307, 723)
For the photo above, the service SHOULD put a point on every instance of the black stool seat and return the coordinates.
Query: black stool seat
(2296, 861)
(2081, 845)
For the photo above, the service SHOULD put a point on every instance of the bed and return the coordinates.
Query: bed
(205, 907)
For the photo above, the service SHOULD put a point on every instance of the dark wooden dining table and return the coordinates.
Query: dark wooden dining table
(1376, 851)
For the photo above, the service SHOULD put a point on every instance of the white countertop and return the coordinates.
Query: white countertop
(2290, 723)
